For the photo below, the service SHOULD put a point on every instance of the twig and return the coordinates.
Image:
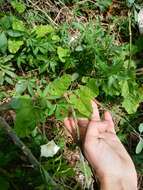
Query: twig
(46, 15)
(25, 149)
(19, 143)
(81, 155)
(58, 14)
(84, 168)
(130, 34)
(84, 1)
(76, 124)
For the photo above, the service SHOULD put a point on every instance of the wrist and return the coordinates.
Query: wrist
(112, 183)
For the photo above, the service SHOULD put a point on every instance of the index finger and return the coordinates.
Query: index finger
(95, 113)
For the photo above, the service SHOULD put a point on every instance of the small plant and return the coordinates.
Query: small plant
(7, 73)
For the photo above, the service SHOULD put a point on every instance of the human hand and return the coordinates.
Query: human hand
(104, 151)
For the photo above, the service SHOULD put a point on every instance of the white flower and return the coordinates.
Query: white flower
(49, 149)
(140, 21)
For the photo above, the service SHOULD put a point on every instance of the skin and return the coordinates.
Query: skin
(104, 151)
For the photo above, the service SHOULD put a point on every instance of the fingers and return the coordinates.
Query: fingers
(96, 126)
(95, 114)
(70, 125)
(83, 122)
(93, 127)
(108, 117)
(93, 124)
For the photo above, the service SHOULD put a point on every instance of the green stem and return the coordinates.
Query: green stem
(78, 141)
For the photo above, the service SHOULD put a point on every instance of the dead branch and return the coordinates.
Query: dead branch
(4, 125)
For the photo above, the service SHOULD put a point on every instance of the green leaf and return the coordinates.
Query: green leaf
(92, 84)
(1, 77)
(59, 86)
(139, 146)
(131, 103)
(81, 100)
(9, 80)
(3, 42)
(20, 87)
(62, 53)
(18, 6)
(14, 46)
(30, 89)
(61, 111)
(14, 34)
(7, 58)
(6, 22)
(51, 108)
(75, 76)
(15, 103)
(18, 25)
(10, 73)
(131, 1)
(124, 88)
(42, 30)
(27, 116)
(55, 38)
(141, 127)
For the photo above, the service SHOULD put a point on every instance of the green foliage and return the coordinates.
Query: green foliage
(61, 110)
(59, 86)
(6, 70)
(141, 128)
(19, 6)
(18, 25)
(103, 5)
(139, 146)
(81, 100)
(42, 30)
(21, 86)
(14, 46)
(131, 103)
(3, 42)
(50, 73)
(62, 53)
(27, 115)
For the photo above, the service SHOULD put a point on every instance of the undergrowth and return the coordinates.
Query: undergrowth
(55, 56)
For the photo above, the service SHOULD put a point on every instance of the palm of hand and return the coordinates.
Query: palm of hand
(101, 146)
